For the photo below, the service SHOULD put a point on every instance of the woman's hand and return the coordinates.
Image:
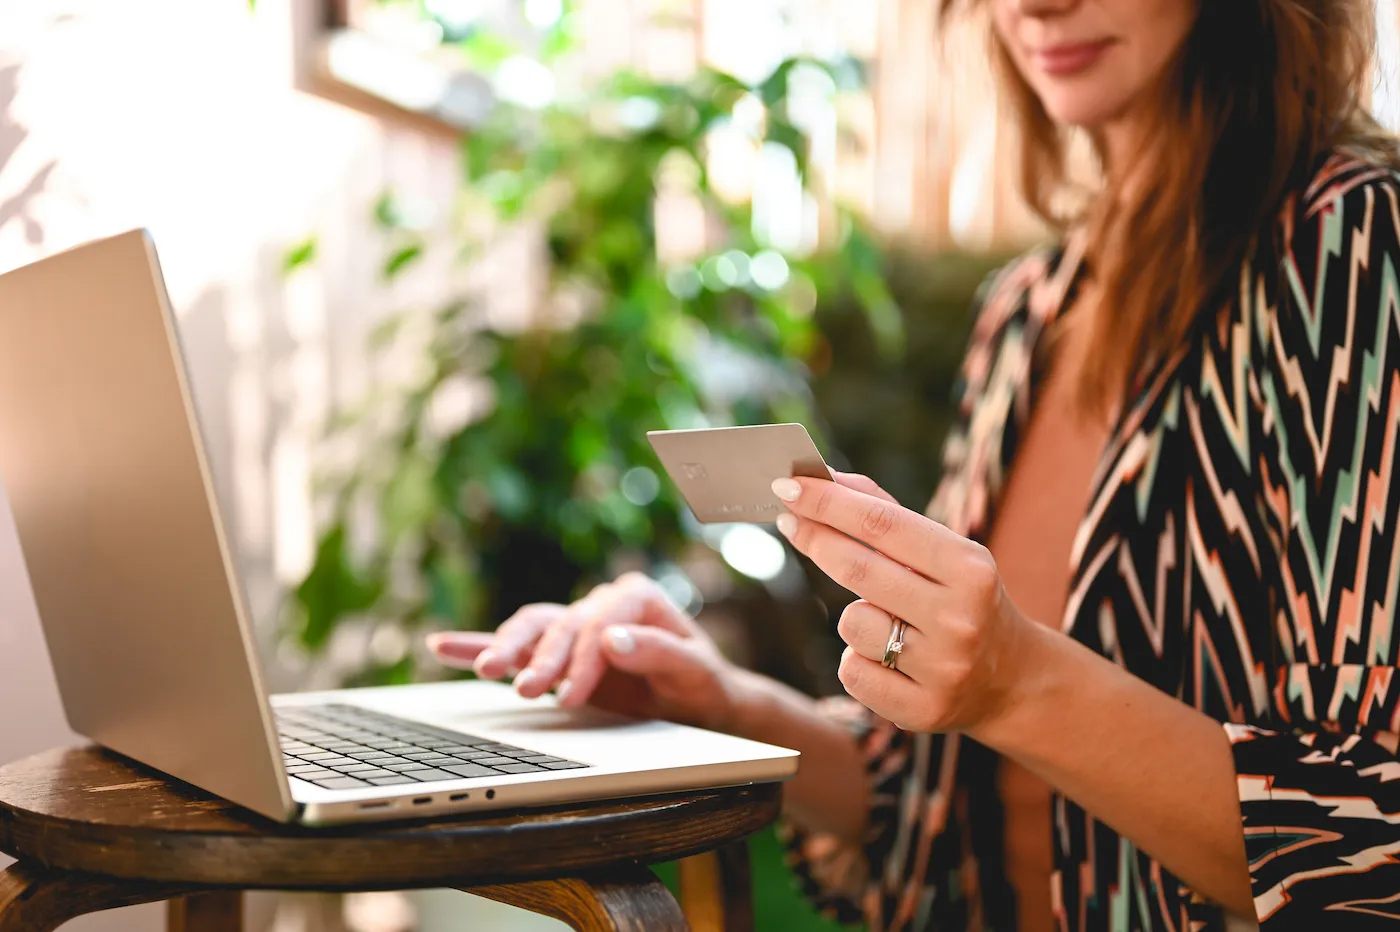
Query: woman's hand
(963, 634)
(625, 647)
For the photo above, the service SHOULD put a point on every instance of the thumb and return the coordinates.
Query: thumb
(854, 480)
(648, 651)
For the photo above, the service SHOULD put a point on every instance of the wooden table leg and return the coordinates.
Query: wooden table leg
(716, 889)
(628, 899)
(215, 911)
(33, 899)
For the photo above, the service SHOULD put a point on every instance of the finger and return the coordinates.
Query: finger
(632, 601)
(551, 656)
(854, 480)
(515, 638)
(888, 693)
(867, 629)
(624, 604)
(648, 652)
(459, 649)
(908, 537)
(866, 572)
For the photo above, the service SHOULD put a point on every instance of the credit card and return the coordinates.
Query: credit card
(726, 474)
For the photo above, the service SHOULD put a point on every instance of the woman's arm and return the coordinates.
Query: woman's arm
(830, 792)
(1138, 759)
(627, 648)
(1148, 765)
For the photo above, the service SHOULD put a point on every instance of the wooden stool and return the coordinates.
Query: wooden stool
(94, 831)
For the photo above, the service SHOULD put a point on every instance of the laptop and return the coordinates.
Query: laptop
(102, 458)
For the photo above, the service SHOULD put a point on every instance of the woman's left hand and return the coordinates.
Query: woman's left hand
(964, 643)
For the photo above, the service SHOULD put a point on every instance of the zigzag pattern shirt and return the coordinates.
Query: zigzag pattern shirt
(1239, 552)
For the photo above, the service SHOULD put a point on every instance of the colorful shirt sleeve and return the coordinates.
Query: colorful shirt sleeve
(912, 868)
(1319, 788)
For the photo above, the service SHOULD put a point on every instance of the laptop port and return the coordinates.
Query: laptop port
(458, 797)
(490, 794)
(384, 805)
(422, 800)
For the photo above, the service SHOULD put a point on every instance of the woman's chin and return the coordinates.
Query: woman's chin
(1081, 109)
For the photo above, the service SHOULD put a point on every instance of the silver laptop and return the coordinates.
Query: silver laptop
(103, 461)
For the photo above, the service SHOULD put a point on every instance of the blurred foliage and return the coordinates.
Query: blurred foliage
(887, 417)
(458, 525)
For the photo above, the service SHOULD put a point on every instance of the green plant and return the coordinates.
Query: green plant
(533, 499)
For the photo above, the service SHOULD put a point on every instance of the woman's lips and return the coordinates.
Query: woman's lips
(1071, 57)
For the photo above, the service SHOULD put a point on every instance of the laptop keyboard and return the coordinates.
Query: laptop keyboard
(342, 747)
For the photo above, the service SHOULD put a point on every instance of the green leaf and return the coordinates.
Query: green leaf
(452, 587)
(774, 89)
(303, 253)
(510, 492)
(486, 49)
(386, 212)
(333, 590)
(401, 259)
(409, 498)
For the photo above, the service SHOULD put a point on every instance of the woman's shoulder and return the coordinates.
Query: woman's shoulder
(1334, 320)
(1024, 288)
(1342, 190)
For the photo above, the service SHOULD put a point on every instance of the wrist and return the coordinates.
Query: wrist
(747, 709)
(1033, 668)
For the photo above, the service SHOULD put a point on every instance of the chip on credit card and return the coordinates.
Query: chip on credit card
(726, 474)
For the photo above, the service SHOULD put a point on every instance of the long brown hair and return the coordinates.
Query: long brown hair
(1260, 91)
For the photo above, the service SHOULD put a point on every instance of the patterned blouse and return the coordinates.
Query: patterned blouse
(1240, 552)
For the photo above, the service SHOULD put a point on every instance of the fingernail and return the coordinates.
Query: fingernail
(561, 692)
(789, 490)
(482, 659)
(787, 525)
(621, 640)
(525, 678)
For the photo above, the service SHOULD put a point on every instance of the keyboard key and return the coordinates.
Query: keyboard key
(457, 750)
(563, 765)
(418, 755)
(471, 756)
(340, 783)
(437, 759)
(406, 765)
(520, 768)
(319, 773)
(376, 772)
(540, 759)
(427, 776)
(470, 770)
(370, 755)
(391, 780)
(355, 768)
(336, 761)
(493, 761)
(317, 755)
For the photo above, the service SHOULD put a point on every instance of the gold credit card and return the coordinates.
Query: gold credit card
(726, 473)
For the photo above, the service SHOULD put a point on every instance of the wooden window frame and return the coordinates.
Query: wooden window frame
(362, 71)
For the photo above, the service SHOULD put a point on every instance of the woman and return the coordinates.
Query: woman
(1177, 443)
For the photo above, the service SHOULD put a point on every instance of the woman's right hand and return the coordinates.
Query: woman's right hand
(625, 647)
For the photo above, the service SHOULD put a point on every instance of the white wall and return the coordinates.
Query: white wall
(181, 116)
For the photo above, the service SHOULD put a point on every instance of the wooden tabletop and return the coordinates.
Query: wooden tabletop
(88, 810)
